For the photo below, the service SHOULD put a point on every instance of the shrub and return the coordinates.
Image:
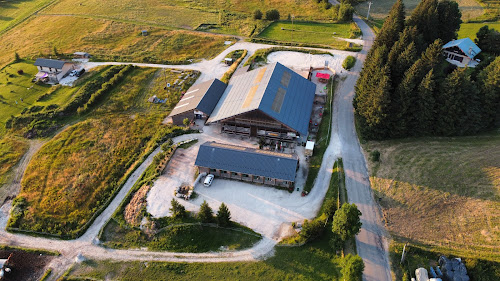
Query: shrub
(257, 15)
(20, 72)
(375, 156)
(345, 12)
(205, 214)
(349, 62)
(223, 215)
(346, 222)
(273, 15)
(336, 242)
(313, 229)
(352, 268)
(177, 210)
(330, 207)
(16, 57)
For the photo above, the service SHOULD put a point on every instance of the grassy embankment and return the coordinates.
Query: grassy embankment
(322, 137)
(60, 199)
(312, 261)
(442, 193)
(107, 40)
(11, 150)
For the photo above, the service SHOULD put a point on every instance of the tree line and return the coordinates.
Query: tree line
(406, 87)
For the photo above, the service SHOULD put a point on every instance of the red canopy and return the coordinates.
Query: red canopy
(323, 75)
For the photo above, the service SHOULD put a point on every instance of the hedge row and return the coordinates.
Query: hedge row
(105, 89)
(354, 48)
(227, 76)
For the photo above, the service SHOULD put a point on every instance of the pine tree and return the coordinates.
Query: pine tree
(223, 215)
(489, 79)
(393, 25)
(459, 105)
(177, 209)
(403, 62)
(426, 18)
(449, 20)
(372, 98)
(426, 103)
(205, 214)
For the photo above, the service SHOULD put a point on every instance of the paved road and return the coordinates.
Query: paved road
(372, 241)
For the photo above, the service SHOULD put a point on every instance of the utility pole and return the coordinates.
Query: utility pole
(292, 26)
(369, 6)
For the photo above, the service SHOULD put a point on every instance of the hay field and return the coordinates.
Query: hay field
(106, 40)
(380, 9)
(13, 12)
(11, 151)
(442, 191)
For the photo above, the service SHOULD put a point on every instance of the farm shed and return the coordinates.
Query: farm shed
(81, 55)
(461, 52)
(247, 164)
(198, 102)
(52, 71)
(271, 102)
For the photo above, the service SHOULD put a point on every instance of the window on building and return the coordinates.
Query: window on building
(256, 178)
(213, 170)
(245, 175)
(234, 174)
(269, 179)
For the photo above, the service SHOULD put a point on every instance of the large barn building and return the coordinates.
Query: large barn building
(247, 164)
(198, 102)
(272, 102)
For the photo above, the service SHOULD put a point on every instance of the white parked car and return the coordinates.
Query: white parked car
(208, 180)
(73, 73)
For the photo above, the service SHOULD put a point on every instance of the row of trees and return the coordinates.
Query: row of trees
(271, 15)
(205, 215)
(407, 89)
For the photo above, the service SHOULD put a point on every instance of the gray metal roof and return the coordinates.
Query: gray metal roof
(273, 89)
(58, 64)
(247, 160)
(203, 97)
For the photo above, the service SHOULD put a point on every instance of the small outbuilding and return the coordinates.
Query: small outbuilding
(52, 71)
(198, 102)
(144, 32)
(247, 164)
(81, 55)
(461, 52)
(309, 148)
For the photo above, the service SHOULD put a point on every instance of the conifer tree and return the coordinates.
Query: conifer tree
(205, 214)
(393, 25)
(426, 112)
(223, 215)
(489, 80)
(449, 20)
(426, 18)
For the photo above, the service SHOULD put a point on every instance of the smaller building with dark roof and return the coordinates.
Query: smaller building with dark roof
(198, 102)
(247, 164)
(52, 71)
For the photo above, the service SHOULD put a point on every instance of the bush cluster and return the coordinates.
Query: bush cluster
(348, 62)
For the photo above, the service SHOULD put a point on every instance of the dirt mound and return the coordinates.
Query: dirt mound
(25, 266)
(134, 209)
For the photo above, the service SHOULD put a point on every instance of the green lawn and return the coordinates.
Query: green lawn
(307, 32)
(15, 11)
(443, 192)
(470, 29)
(15, 86)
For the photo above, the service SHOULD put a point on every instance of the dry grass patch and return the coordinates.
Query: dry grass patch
(74, 174)
(11, 151)
(107, 40)
(442, 191)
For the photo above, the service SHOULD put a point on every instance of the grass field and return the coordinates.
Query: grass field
(470, 29)
(18, 92)
(13, 12)
(443, 192)
(470, 8)
(308, 32)
(11, 151)
(61, 198)
(107, 40)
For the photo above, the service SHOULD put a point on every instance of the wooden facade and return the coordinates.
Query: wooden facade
(246, 177)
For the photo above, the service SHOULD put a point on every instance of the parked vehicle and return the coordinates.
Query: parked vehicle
(80, 72)
(208, 180)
